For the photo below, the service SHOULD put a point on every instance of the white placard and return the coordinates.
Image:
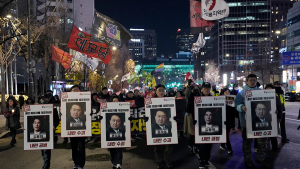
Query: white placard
(161, 128)
(115, 126)
(261, 117)
(230, 100)
(38, 127)
(76, 120)
(210, 113)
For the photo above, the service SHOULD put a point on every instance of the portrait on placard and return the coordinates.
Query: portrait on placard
(76, 116)
(160, 122)
(115, 127)
(38, 128)
(261, 117)
(210, 121)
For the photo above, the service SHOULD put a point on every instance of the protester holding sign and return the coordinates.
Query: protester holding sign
(204, 149)
(251, 80)
(116, 124)
(77, 142)
(231, 114)
(190, 117)
(162, 129)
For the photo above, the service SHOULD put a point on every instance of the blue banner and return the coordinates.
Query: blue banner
(291, 58)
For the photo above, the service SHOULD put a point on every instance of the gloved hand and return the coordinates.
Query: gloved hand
(130, 118)
(194, 122)
(146, 119)
(175, 118)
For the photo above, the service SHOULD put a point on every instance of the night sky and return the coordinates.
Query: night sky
(164, 16)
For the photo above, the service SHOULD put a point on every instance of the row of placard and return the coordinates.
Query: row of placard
(161, 128)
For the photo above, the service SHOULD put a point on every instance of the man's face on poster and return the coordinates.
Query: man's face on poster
(37, 125)
(260, 111)
(208, 117)
(160, 118)
(115, 122)
(75, 111)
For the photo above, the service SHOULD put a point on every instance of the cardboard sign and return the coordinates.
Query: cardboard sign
(38, 127)
(115, 125)
(210, 113)
(261, 117)
(161, 129)
(76, 114)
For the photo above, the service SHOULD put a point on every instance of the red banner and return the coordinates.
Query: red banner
(80, 41)
(62, 57)
(197, 22)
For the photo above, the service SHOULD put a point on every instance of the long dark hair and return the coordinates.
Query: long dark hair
(14, 100)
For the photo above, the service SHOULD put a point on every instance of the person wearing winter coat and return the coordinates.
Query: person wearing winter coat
(12, 115)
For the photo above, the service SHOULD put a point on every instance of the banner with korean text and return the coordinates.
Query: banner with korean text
(81, 42)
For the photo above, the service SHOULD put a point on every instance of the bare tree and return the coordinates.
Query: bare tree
(9, 49)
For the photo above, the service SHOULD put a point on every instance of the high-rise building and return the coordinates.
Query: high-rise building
(183, 40)
(77, 12)
(150, 41)
(137, 49)
(279, 10)
(241, 41)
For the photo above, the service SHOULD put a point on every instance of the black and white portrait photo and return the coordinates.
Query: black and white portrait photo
(210, 121)
(115, 129)
(261, 117)
(160, 122)
(38, 128)
(76, 116)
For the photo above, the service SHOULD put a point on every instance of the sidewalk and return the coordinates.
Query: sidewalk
(3, 130)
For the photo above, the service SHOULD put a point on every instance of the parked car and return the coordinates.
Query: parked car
(290, 96)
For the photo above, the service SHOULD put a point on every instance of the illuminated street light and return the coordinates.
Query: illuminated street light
(206, 64)
(114, 48)
(277, 32)
(8, 16)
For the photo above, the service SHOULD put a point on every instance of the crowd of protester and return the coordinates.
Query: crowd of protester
(163, 152)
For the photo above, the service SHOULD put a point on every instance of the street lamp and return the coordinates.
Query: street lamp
(114, 48)
(206, 64)
(8, 16)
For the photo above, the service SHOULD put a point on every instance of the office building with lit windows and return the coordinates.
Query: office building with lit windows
(279, 10)
(183, 40)
(150, 41)
(242, 40)
(137, 49)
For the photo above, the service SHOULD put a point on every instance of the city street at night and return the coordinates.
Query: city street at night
(142, 156)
